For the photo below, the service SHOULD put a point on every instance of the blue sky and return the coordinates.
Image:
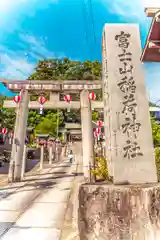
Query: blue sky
(31, 30)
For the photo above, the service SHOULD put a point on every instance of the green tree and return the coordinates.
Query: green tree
(7, 116)
(65, 69)
(155, 132)
(34, 118)
(61, 69)
(94, 115)
(152, 104)
(49, 122)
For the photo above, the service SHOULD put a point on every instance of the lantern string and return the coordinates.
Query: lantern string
(69, 106)
(41, 109)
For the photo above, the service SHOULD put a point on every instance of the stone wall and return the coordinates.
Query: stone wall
(119, 212)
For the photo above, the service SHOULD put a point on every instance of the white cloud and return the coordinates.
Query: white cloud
(34, 47)
(124, 8)
(7, 5)
(19, 65)
(128, 8)
(149, 3)
(15, 68)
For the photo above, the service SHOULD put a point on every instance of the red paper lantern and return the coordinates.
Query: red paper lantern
(98, 130)
(42, 142)
(95, 134)
(68, 98)
(49, 143)
(4, 130)
(42, 100)
(17, 99)
(99, 123)
(92, 96)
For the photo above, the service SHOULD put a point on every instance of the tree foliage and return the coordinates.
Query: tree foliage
(50, 122)
(155, 132)
(65, 69)
(54, 69)
(7, 116)
(61, 69)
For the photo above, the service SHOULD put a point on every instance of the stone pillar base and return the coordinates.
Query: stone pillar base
(108, 212)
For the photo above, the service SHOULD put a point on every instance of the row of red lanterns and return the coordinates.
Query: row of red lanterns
(97, 131)
(99, 123)
(67, 98)
(45, 142)
(3, 130)
(42, 99)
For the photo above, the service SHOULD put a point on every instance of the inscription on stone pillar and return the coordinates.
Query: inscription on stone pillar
(131, 137)
(126, 83)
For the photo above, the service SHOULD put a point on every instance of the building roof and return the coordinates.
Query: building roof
(151, 51)
(154, 109)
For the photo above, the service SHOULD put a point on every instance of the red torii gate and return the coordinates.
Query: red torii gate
(151, 52)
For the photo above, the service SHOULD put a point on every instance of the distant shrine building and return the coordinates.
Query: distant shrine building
(151, 51)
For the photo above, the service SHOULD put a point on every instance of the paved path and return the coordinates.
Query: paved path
(36, 208)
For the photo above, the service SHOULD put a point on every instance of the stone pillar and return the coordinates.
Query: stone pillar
(21, 135)
(42, 157)
(56, 155)
(134, 211)
(24, 161)
(132, 150)
(12, 163)
(54, 150)
(87, 135)
(50, 151)
(58, 152)
(64, 137)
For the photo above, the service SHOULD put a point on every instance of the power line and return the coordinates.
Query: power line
(92, 19)
(84, 13)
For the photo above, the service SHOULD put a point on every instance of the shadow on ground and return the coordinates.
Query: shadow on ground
(30, 165)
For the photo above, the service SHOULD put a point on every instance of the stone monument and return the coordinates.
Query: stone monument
(129, 143)
(129, 210)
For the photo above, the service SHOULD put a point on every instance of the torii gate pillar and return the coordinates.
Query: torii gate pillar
(87, 136)
(19, 138)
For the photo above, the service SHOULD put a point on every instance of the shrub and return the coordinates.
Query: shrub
(157, 160)
(101, 170)
(155, 132)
